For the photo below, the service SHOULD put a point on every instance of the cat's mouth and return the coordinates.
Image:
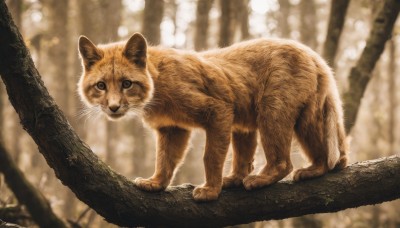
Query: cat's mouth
(115, 116)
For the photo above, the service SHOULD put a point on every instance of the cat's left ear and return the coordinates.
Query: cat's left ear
(136, 50)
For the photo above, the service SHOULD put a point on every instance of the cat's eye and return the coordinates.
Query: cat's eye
(126, 84)
(101, 85)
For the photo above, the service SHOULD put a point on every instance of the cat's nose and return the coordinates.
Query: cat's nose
(114, 108)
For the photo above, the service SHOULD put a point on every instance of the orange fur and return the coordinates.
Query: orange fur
(274, 86)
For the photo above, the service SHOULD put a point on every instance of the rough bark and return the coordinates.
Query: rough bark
(201, 32)
(308, 25)
(227, 23)
(120, 202)
(361, 73)
(34, 201)
(152, 16)
(335, 27)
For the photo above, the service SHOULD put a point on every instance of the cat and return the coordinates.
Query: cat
(276, 87)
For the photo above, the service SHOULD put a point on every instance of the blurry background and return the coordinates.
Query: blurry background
(51, 29)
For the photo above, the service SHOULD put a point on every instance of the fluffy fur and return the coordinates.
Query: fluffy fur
(273, 86)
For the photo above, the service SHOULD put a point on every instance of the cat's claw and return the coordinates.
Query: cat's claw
(232, 181)
(203, 194)
(150, 184)
(257, 181)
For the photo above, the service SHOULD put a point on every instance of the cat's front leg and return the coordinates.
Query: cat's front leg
(171, 145)
(217, 144)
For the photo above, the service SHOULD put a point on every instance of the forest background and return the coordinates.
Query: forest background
(51, 29)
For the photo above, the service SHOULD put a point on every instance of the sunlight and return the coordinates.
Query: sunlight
(133, 6)
(263, 6)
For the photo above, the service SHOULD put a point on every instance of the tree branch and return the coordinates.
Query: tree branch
(35, 202)
(120, 202)
(361, 74)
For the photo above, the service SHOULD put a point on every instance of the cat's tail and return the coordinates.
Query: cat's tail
(335, 132)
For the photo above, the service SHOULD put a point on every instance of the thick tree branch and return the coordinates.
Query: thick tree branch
(120, 202)
(361, 74)
(35, 202)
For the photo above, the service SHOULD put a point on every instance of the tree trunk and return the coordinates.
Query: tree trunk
(335, 28)
(152, 17)
(308, 23)
(243, 18)
(110, 23)
(284, 13)
(201, 32)
(140, 160)
(227, 23)
(57, 52)
(361, 73)
(34, 201)
(120, 202)
(392, 96)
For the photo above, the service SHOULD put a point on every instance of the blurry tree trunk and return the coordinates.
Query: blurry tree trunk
(284, 13)
(57, 51)
(171, 8)
(243, 18)
(112, 20)
(308, 23)
(361, 73)
(335, 27)
(119, 201)
(201, 32)
(88, 23)
(152, 17)
(34, 201)
(307, 221)
(392, 96)
(140, 160)
(227, 23)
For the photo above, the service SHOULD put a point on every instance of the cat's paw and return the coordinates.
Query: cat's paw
(150, 184)
(204, 193)
(232, 181)
(257, 181)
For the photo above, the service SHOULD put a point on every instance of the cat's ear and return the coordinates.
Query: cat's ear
(90, 54)
(136, 50)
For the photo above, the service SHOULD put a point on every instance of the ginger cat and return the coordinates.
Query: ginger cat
(271, 86)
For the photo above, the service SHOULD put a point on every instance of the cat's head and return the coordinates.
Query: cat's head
(115, 79)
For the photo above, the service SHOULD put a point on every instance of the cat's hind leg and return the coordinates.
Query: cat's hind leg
(321, 135)
(244, 146)
(276, 118)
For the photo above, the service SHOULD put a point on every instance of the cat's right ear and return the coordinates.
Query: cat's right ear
(89, 53)
(136, 50)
